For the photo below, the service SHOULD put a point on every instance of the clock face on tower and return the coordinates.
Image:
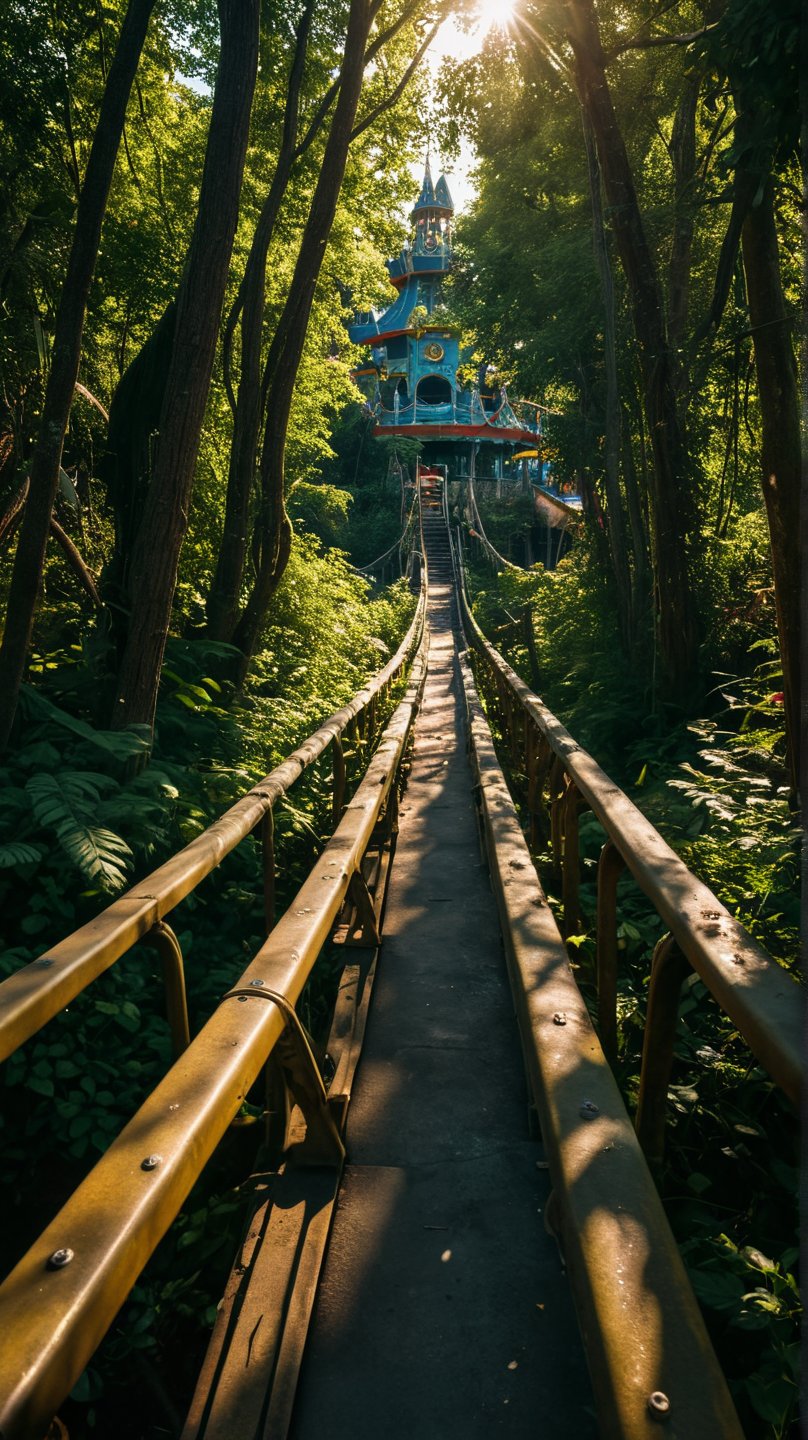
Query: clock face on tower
(434, 351)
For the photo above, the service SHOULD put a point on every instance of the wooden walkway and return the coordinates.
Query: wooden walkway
(443, 1311)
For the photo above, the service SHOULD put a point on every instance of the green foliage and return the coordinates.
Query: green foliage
(604, 703)
(320, 510)
(75, 826)
(717, 790)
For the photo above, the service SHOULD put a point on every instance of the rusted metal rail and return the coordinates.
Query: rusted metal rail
(58, 1302)
(760, 997)
(38, 991)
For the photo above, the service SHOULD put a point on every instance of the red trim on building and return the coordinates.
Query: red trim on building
(454, 432)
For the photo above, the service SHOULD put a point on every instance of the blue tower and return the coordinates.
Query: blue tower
(411, 377)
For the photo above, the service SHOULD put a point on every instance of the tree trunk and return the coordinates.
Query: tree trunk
(639, 538)
(125, 469)
(223, 603)
(683, 156)
(153, 571)
(674, 518)
(804, 488)
(274, 528)
(780, 448)
(611, 460)
(30, 557)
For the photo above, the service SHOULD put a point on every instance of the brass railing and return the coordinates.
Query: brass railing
(648, 1352)
(59, 1301)
(35, 993)
(649, 1355)
(761, 998)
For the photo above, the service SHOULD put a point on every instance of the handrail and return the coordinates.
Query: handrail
(649, 1355)
(760, 997)
(58, 1302)
(39, 990)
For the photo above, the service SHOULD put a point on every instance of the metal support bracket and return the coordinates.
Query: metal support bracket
(161, 938)
(366, 927)
(323, 1143)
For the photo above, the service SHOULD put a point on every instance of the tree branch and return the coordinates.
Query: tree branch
(75, 561)
(650, 42)
(391, 99)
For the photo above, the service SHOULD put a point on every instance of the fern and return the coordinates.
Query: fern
(18, 853)
(101, 855)
(68, 804)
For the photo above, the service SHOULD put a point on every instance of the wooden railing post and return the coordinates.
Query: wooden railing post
(573, 804)
(555, 785)
(338, 790)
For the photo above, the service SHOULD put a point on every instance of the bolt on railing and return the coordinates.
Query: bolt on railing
(59, 1301)
(759, 996)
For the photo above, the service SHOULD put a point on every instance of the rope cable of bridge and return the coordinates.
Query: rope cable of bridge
(486, 543)
(397, 544)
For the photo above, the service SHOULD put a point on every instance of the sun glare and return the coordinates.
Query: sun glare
(458, 42)
(493, 15)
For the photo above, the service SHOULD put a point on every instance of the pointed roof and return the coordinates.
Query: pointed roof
(443, 196)
(426, 199)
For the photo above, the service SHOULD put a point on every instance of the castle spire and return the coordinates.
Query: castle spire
(426, 199)
(443, 198)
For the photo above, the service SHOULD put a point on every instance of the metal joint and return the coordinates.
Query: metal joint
(323, 1144)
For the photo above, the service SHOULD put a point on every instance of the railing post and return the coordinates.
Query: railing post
(338, 791)
(669, 970)
(555, 786)
(162, 939)
(530, 642)
(513, 727)
(610, 867)
(573, 803)
(540, 759)
(268, 867)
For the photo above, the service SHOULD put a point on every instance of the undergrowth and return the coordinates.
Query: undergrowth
(76, 828)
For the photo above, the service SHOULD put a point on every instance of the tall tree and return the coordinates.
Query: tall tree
(222, 605)
(30, 557)
(611, 460)
(153, 570)
(757, 47)
(674, 511)
(254, 395)
(781, 458)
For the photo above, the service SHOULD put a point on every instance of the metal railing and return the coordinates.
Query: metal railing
(59, 1301)
(491, 551)
(35, 993)
(465, 408)
(763, 1001)
(648, 1352)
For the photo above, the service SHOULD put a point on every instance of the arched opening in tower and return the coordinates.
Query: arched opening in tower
(434, 390)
